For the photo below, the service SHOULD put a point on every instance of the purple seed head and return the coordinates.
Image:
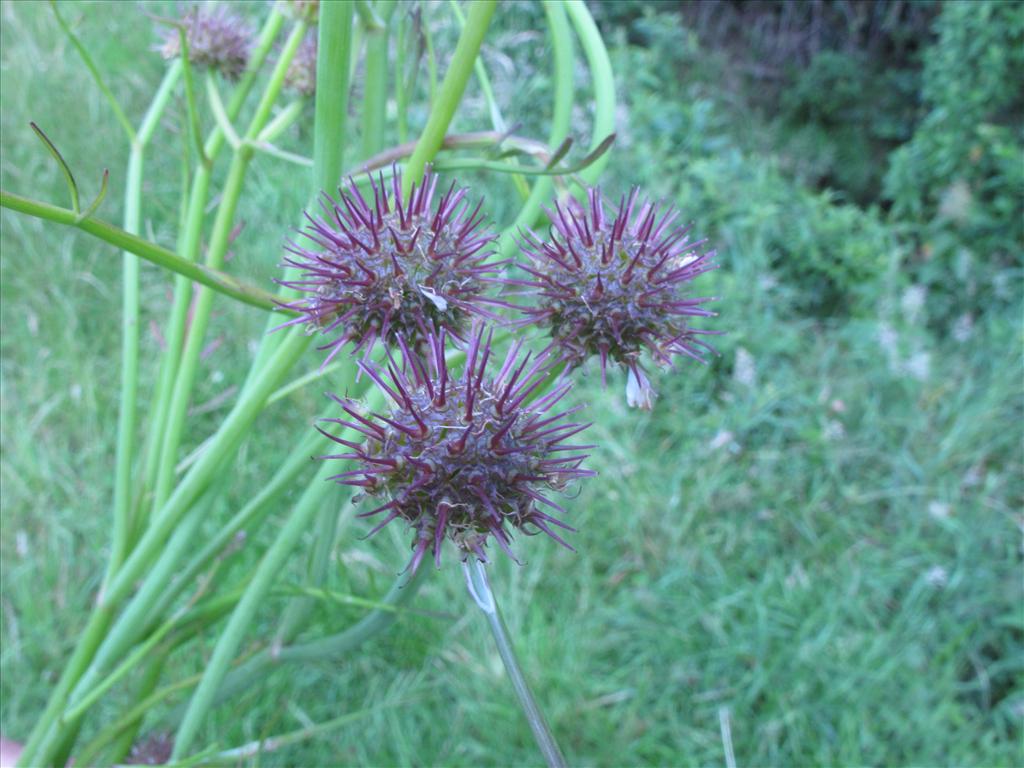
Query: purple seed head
(613, 288)
(463, 457)
(392, 266)
(217, 38)
(301, 74)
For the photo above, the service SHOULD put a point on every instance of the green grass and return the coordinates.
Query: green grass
(828, 558)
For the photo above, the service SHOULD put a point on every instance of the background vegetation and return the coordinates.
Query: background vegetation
(808, 554)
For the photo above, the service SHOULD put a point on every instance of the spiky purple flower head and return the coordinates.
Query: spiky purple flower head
(392, 267)
(612, 287)
(464, 458)
(218, 39)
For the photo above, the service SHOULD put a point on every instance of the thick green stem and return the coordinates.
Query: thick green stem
(219, 241)
(126, 420)
(562, 77)
(601, 76)
(450, 94)
(333, 68)
(375, 84)
(401, 90)
(480, 590)
(224, 443)
(267, 571)
(188, 245)
(333, 64)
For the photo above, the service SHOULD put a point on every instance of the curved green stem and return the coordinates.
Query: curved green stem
(332, 647)
(95, 72)
(601, 76)
(126, 420)
(450, 93)
(219, 241)
(211, 278)
(189, 235)
(480, 590)
(267, 571)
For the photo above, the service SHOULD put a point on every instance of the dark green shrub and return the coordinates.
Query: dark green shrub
(959, 182)
(842, 115)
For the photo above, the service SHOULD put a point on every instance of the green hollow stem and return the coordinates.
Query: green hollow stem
(401, 93)
(479, 588)
(219, 241)
(212, 278)
(450, 92)
(333, 71)
(188, 245)
(373, 108)
(375, 83)
(126, 420)
(333, 67)
(601, 76)
(223, 444)
(562, 77)
(330, 648)
(267, 572)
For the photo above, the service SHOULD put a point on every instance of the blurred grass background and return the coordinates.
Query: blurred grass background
(815, 540)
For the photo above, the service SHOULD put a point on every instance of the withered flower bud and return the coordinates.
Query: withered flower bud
(217, 39)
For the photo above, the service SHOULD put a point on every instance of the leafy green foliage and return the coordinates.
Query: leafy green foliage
(839, 137)
(960, 180)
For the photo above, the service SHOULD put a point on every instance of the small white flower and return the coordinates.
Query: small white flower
(919, 366)
(912, 302)
(963, 328)
(937, 576)
(745, 370)
(639, 393)
(834, 430)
